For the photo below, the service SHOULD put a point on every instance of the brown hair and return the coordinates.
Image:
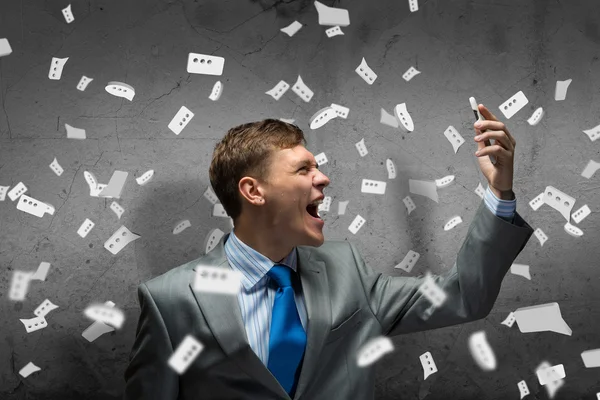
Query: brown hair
(247, 150)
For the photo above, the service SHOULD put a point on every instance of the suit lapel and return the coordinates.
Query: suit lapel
(224, 318)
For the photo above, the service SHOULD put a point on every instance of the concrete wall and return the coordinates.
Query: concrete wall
(485, 49)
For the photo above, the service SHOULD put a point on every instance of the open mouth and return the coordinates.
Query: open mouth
(313, 211)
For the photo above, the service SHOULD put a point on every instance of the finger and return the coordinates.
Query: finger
(499, 136)
(487, 114)
(495, 149)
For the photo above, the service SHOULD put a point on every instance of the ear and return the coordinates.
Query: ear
(250, 191)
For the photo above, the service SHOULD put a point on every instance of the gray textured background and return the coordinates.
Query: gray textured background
(489, 50)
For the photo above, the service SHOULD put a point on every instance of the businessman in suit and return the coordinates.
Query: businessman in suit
(306, 306)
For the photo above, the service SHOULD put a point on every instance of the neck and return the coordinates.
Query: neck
(268, 244)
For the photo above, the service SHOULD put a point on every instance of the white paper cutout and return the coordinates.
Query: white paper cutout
(56, 168)
(356, 224)
(511, 106)
(413, 5)
(210, 195)
(444, 182)
(580, 214)
(481, 351)
(85, 227)
(331, 16)
(43, 309)
(97, 329)
(185, 354)
(388, 119)
(145, 178)
(432, 292)
(409, 261)
(404, 118)
(321, 117)
(19, 285)
(302, 90)
(42, 272)
(17, 191)
(510, 320)
(325, 205)
(410, 73)
(5, 48)
(121, 238)
(288, 120)
(537, 201)
(428, 364)
(3, 191)
(34, 207)
(181, 226)
(56, 68)
(560, 201)
(521, 270)
(204, 64)
(572, 230)
(541, 236)
(117, 209)
(180, 120)
(120, 89)
(361, 147)
(560, 91)
(593, 133)
(292, 28)
(541, 318)
(341, 111)
(373, 350)
(523, 389)
(108, 315)
(278, 90)
(335, 31)
(365, 72)
(115, 186)
(536, 117)
(68, 14)
(212, 239)
(391, 168)
(321, 159)
(591, 358)
(551, 374)
(29, 369)
(34, 324)
(373, 187)
(423, 188)
(83, 83)
(75, 133)
(342, 205)
(217, 280)
(409, 203)
(590, 169)
(551, 387)
(219, 211)
(216, 92)
(479, 191)
(452, 222)
(455, 138)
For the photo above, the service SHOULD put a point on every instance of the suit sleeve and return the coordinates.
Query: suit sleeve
(471, 285)
(148, 375)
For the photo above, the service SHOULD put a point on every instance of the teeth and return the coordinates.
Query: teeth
(316, 202)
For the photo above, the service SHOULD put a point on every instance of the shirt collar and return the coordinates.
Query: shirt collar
(252, 265)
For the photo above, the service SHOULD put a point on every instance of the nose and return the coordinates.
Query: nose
(323, 180)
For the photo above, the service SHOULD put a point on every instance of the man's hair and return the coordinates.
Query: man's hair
(247, 150)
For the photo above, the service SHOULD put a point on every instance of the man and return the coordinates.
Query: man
(306, 306)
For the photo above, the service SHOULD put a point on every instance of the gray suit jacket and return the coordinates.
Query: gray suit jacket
(347, 304)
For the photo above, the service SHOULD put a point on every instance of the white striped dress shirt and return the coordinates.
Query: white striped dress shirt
(257, 292)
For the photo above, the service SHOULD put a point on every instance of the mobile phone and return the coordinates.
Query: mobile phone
(479, 117)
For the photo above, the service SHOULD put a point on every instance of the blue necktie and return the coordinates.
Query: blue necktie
(287, 339)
